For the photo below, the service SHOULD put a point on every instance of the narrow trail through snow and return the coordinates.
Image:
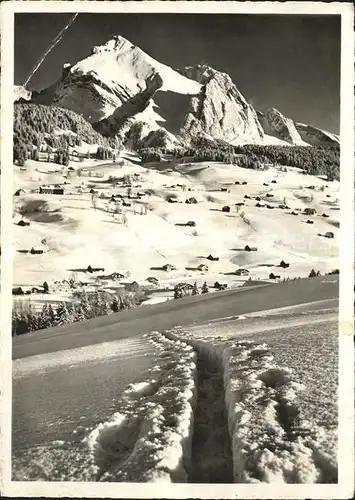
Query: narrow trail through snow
(211, 457)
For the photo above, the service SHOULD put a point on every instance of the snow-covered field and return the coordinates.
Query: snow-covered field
(249, 399)
(69, 223)
(147, 438)
(280, 391)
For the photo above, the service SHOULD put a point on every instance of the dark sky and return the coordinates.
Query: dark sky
(285, 61)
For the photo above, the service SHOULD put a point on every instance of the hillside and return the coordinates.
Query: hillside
(112, 215)
(49, 128)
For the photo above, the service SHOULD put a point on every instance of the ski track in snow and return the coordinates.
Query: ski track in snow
(278, 404)
(281, 397)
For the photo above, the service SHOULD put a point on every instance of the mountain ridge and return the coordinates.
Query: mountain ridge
(119, 86)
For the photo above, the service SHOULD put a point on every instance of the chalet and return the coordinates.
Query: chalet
(329, 234)
(244, 183)
(23, 223)
(311, 187)
(259, 205)
(35, 251)
(270, 207)
(202, 267)
(293, 213)
(37, 289)
(185, 286)
(90, 269)
(171, 199)
(191, 223)
(274, 182)
(226, 208)
(247, 248)
(269, 195)
(265, 184)
(309, 211)
(127, 204)
(247, 197)
(237, 183)
(272, 276)
(18, 290)
(284, 265)
(191, 201)
(242, 272)
(258, 198)
(51, 190)
(20, 192)
(309, 221)
(210, 257)
(224, 190)
(325, 215)
(168, 267)
(112, 276)
(283, 207)
(220, 286)
(240, 204)
(153, 280)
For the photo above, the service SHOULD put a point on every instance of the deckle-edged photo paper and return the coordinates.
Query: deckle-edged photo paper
(177, 249)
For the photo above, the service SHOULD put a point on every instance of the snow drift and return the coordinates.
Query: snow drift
(271, 442)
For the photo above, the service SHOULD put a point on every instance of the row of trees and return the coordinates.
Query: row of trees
(314, 160)
(26, 319)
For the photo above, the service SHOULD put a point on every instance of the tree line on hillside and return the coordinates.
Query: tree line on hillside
(37, 124)
(314, 160)
(26, 319)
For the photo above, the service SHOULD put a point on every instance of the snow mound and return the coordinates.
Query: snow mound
(271, 441)
(149, 439)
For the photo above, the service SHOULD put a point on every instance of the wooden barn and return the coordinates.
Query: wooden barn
(309, 211)
(23, 223)
(247, 248)
(36, 251)
(191, 201)
(19, 192)
(51, 190)
(242, 272)
(211, 258)
(168, 267)
(202, 267)
(329, 234)
(153, 280)
(226, 208)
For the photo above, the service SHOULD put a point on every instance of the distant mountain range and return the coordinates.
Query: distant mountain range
(123, 91)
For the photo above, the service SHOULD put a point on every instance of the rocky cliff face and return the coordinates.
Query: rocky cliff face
(275, 124)
(220, 111)
(316, 136)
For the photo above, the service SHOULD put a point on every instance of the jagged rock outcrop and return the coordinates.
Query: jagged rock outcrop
(275, 124)
(124, 92)
(316, 136)
(21, 94)
(220, 111)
